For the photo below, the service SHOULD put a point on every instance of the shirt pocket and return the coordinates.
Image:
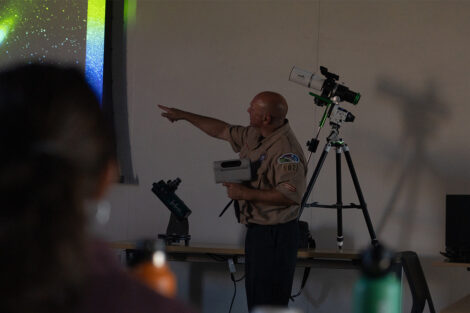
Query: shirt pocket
(264, 181)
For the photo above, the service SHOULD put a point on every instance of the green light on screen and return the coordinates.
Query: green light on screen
(7, 25)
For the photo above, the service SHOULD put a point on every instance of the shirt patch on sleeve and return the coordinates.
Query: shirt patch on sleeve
(290, 167)
(289, 187)
(288, 158)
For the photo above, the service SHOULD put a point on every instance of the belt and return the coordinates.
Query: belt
(253, 225)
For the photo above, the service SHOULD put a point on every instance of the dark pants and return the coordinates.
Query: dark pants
(270, 256)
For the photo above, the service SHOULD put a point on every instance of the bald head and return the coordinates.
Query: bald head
(274, 104)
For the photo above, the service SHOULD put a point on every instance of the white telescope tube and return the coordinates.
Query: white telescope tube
(307, 79)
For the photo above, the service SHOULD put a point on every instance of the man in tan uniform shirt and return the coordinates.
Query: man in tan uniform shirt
(281, 167)
(269, 204)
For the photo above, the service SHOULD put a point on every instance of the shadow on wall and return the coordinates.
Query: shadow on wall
(423, 115)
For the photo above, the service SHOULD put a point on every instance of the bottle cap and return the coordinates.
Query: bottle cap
(376, 260)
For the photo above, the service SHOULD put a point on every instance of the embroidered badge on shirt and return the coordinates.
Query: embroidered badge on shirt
(288, 158)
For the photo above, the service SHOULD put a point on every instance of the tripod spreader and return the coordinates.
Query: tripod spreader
(331, 206)
(340, 147)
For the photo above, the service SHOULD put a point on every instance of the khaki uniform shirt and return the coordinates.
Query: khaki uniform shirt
(281, 166)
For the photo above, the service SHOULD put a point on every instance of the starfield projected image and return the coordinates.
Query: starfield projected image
(55, 31)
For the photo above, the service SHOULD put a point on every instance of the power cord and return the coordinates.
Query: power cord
(231, 267)
(304, 280)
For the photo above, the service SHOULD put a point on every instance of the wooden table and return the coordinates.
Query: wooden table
(452, 264)
(196, 254)
(217, 253)
(462, 305)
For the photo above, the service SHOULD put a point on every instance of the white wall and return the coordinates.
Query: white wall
(408, 59)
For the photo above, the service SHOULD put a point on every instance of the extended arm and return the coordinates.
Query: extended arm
(211, 126)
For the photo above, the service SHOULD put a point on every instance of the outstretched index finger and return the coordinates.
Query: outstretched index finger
(163, 107)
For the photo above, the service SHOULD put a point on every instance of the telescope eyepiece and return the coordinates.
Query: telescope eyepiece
(347, 95)
(173, 184)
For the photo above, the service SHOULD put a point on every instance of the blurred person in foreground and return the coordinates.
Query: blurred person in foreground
(58, 156)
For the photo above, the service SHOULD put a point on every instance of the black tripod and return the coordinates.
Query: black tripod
(340, 146)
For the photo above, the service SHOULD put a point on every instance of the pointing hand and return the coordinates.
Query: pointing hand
(171, 114)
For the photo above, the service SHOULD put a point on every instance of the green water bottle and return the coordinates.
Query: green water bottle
(378, 290)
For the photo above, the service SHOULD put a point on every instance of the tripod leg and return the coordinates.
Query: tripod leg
(360, 196)
(315, 174)
(339, 200)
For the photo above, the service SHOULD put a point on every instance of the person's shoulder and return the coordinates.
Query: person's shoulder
(252, 131)
(154, 302)
(288, 141)
(147, 300)
(243, 128)
(111, 288)
(119, 292)
(287, 147)
(248, 132)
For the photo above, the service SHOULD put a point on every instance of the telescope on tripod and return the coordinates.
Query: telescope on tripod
(331, 95)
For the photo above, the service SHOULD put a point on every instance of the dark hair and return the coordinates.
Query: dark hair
(54, 145)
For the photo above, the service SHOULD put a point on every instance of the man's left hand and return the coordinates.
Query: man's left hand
(236, 191)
